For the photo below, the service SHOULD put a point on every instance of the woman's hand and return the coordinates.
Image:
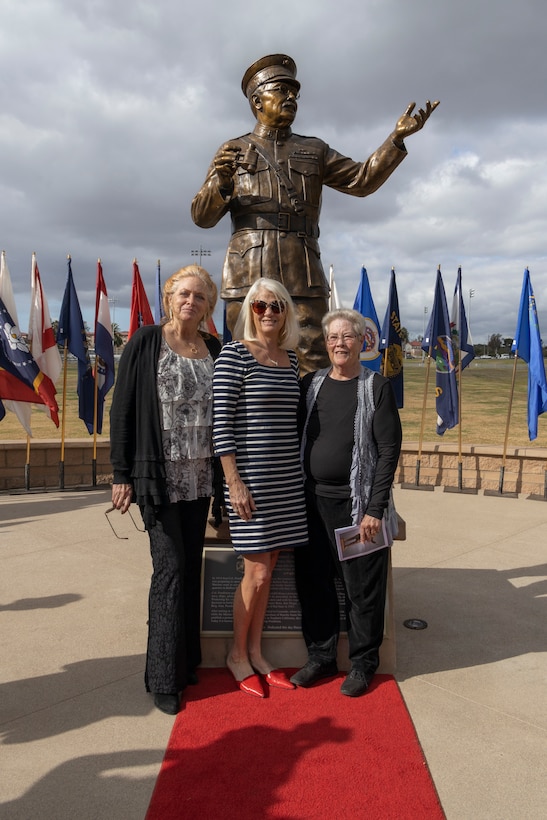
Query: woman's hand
(241, 499)
(121, 496)
(370, 527)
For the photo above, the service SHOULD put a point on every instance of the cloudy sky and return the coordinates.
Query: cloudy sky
(110, 113)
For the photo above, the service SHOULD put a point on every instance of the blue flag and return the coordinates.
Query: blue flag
(158, 303)
(370, 353)
(437, 343)
(226, 335)
(527, 346)
(72, 330)
(391, 342)
(461, 337)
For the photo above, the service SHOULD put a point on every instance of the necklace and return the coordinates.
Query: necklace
(273, 361)
(193, 347)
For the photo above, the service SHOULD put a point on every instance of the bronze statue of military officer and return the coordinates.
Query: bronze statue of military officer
(270, 182)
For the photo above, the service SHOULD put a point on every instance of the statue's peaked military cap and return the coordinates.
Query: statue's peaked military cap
(266, 70)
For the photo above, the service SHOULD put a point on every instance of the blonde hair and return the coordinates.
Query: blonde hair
(245, 327)
(196, 272)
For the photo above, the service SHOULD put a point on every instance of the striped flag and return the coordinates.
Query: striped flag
(104, 346)
(40, 333)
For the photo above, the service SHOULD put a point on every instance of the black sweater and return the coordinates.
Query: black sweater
(136, 450)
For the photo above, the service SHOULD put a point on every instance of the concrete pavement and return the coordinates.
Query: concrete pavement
(80, 738)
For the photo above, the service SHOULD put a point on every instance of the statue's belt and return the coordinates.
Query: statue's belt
(279, 221)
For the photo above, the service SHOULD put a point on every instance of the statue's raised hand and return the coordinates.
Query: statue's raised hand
(409, 123)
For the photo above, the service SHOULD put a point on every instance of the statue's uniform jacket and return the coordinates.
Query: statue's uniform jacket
(269, 238)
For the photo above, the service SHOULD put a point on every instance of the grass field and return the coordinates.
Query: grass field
(486, 388)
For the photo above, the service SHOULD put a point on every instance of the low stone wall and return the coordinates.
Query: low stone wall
(44, 468)
(524, 468)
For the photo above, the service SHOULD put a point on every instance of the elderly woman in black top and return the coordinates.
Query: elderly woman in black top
(161, 453)
(350, 448)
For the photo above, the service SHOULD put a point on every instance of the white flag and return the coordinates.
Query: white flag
(334, 301)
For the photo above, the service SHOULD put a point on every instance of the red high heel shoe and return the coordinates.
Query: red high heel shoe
(278, 679)
(252, 685)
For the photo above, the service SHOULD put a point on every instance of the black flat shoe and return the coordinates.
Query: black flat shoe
(169, 704)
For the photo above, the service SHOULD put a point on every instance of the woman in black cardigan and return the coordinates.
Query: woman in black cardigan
(161, 453)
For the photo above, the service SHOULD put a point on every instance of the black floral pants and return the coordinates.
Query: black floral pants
(176, 546)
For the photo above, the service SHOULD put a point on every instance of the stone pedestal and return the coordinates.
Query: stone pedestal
(282, 639)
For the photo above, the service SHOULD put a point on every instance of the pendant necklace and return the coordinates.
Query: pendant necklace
(273, 361)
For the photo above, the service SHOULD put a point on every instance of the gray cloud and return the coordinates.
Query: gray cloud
(111, 112)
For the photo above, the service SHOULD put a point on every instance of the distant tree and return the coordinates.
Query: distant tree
(404, 335)
(495, 343)
(118, 338)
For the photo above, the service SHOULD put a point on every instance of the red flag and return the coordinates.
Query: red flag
(211, 327)
(140, 308)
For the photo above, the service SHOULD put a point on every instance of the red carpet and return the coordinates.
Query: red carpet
(307, 753)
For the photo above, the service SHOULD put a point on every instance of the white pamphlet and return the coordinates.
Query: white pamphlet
(349, 544)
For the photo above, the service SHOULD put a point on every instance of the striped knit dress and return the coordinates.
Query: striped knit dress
(255, 409)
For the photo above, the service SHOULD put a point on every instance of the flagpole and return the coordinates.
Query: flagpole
(416, 485)
(27, 461)
(95, 403)
(27, 465)
(460, 374)
(502, 468)
(422, 425)
(62, 460)
(499, 491)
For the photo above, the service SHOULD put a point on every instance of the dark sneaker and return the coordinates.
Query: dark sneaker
(313, 671)
(355, 684)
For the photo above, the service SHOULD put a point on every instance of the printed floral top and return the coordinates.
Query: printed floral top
(185, 391)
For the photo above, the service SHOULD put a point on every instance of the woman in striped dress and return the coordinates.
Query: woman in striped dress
(256, 392)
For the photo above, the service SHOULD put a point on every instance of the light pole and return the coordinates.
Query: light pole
(471, 294)
(201, 252)
(113, 302)
(423, 333)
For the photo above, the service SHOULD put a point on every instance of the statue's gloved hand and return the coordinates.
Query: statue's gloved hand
(225, 163)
